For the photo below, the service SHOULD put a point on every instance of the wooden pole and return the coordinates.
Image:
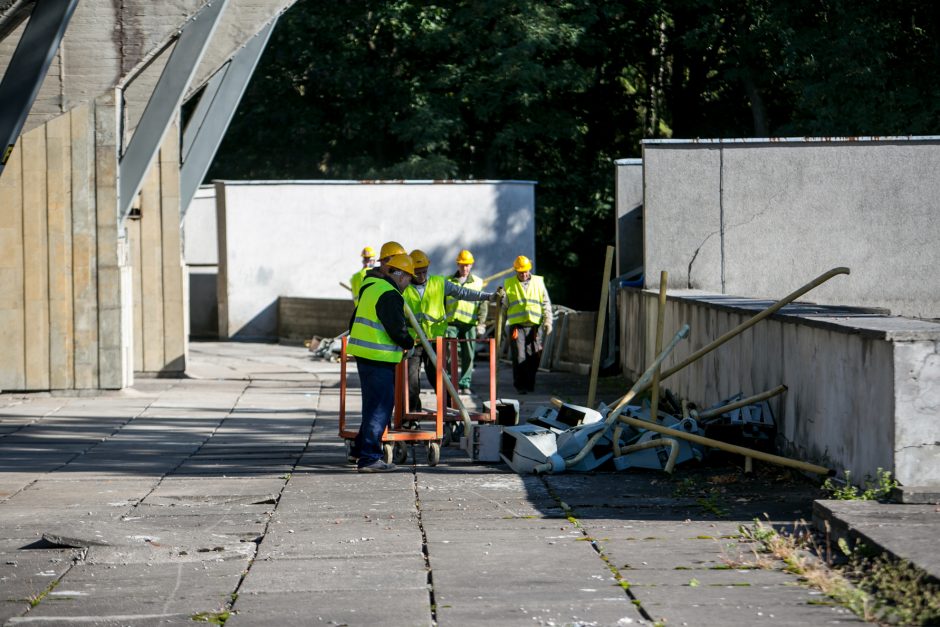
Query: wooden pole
(660, 323)
(493, 277)
(599, 332)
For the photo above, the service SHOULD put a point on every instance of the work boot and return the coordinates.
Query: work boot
(378, 466)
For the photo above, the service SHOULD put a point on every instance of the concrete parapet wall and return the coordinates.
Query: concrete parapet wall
(743, 217)
(300, 319)
(863, 389)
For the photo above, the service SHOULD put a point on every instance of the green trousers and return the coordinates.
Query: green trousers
(465, 350)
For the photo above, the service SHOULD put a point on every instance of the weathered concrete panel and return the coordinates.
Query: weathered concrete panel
(151, 270)
(59, 184)
(174, 336)
(84, 248)
(12, 320)
(303, 238)
(682, 216)
(917, 408)
(799, 208)
(863, 390)
(35, 259)
(114, 356)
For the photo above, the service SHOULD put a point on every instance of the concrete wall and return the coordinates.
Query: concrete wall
(83, 302)
(629, 231)
(303, 238)
(201, 256)
(864, 390)
(157, 269)
(62, 257)
(743, 217)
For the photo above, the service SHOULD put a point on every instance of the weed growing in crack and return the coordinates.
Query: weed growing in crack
(876, 489)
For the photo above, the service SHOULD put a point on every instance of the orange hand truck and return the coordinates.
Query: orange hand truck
(397, 438)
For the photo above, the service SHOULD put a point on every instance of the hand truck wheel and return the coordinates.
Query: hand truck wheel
(400, 453)
(448, 434)
(434, 453)
(388, 453)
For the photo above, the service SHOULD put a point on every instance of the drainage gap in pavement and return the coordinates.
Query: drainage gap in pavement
(621, 581)
(427, 556)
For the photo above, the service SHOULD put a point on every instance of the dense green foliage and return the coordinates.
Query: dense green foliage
(554, 91)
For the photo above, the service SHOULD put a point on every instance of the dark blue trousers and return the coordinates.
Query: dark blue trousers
(378, 400)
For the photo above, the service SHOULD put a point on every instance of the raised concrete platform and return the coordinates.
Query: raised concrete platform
(863, 387)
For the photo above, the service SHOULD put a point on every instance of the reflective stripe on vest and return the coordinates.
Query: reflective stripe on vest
(368, 337)
(525, 305)
(429, 309)
(463, 310)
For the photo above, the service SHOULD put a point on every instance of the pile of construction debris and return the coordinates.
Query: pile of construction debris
(571, 437)
(328, 348)
(577, 438)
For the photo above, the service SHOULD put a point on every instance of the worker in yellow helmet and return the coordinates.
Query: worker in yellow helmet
(378, 333)
(355, 281)
(388, 250)
(529, 316)
(466, 320)
(426, 296)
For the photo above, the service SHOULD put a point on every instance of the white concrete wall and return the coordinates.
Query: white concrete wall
(200, 235)
(303, 238)
(863, 390)
(743, 217)
(629, 228)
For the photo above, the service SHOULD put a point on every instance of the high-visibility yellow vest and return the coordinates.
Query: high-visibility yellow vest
(355, 282)
(368, 337)
(525, 305)
(463, 310)
(428, 309)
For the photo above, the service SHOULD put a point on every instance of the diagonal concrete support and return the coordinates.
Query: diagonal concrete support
(28, 66)
(215, 110)
(165, 101)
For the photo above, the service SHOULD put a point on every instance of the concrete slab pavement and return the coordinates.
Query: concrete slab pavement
(227, 495)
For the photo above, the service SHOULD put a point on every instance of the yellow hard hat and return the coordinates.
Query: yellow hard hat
(402, 262)
(391, 248)
(368, 251)
(420, 259)
(522, 264)
(465, 257)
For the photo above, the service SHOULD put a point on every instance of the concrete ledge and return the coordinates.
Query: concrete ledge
(873, 322)
(300, 319)
(917, 495)
(904, 532)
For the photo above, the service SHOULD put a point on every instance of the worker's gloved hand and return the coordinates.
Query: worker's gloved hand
(547, 326)
(498, 295)
(481, 330)
(409, 353)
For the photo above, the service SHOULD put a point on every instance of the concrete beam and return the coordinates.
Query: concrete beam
(165, 101)
(214, 112)
(28, 66)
